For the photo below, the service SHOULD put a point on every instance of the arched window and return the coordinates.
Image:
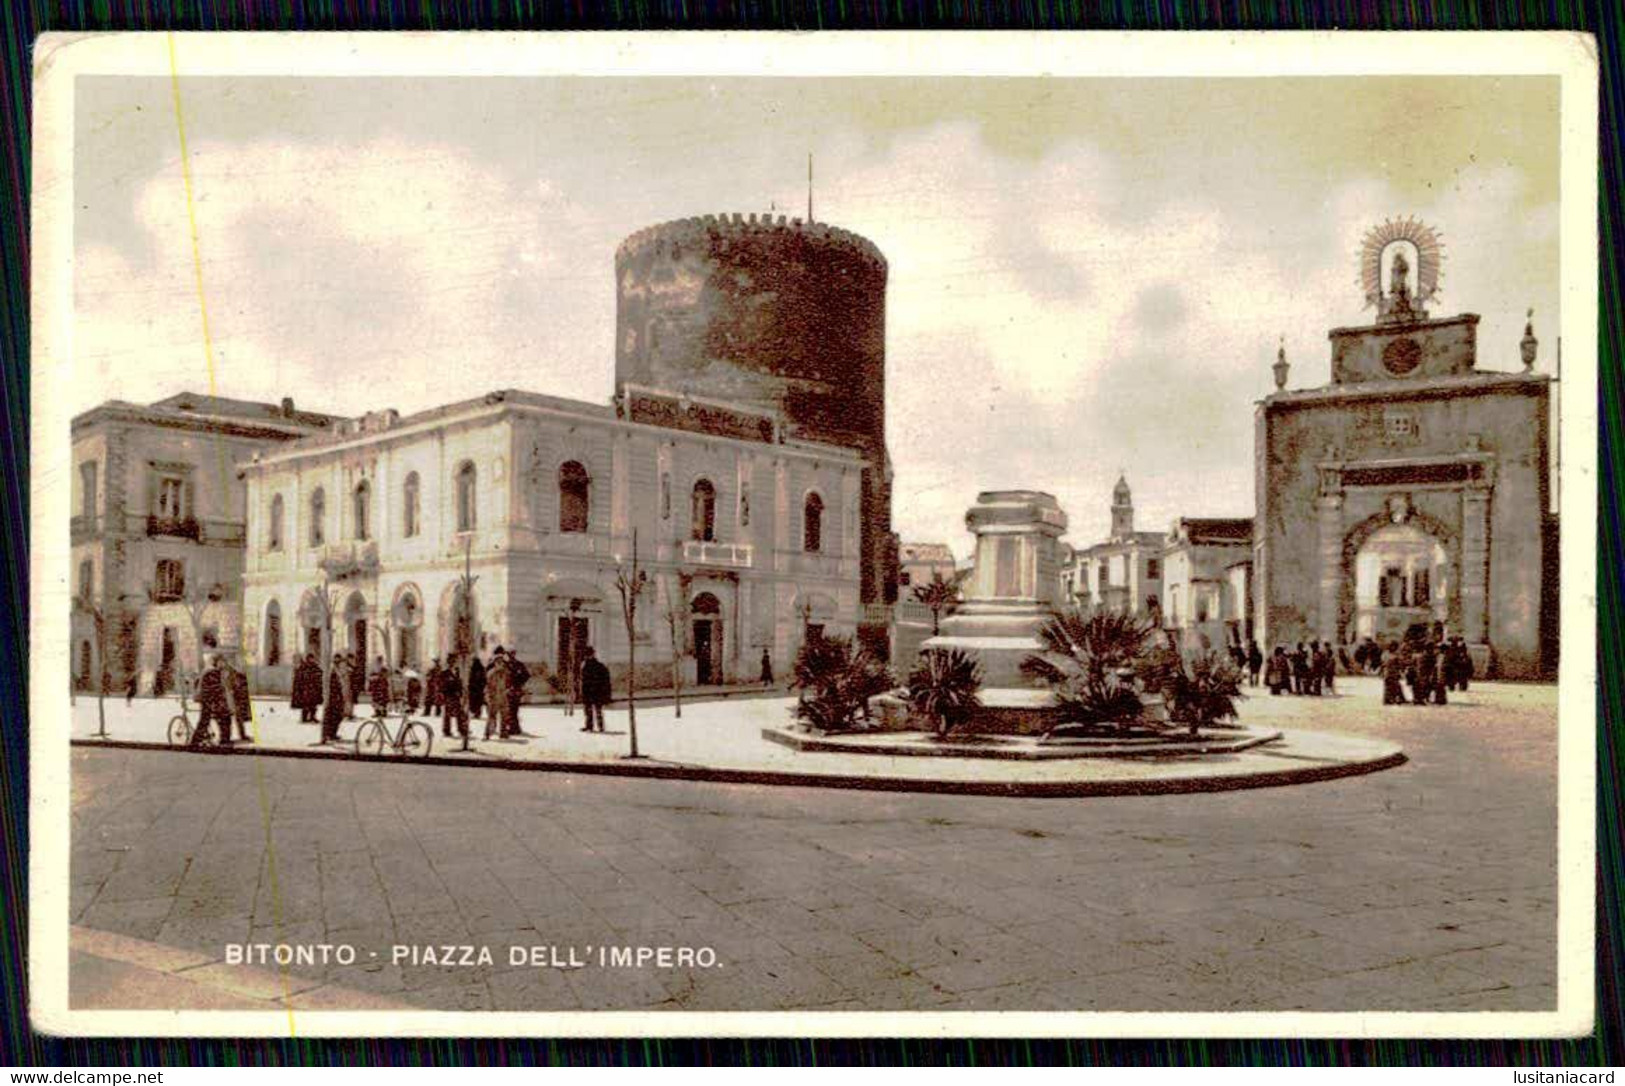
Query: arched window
(318, 517)
(703, 515)
(812, 524)
(274, 542)
(409, 515)
(273, 634)
(363, 509)
(87, 579)
(467, 510)
(575, 493)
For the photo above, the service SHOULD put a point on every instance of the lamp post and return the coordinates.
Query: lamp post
(465, 622)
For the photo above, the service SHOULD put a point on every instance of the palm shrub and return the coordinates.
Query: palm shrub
(944, 687)
(1204, 690)
(939, 595)
(1088, 662)
(836, 680)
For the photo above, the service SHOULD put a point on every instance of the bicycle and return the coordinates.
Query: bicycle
(181, 733)
(414, 740)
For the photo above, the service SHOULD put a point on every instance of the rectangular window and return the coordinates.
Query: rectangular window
(87, 574)
(171, 498)
(87, 491)
(169, 580)
(1421, 590)
(1153, 569)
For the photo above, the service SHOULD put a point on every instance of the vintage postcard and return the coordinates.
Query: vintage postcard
(754, 534)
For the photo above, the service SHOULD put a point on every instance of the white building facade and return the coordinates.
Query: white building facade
(504, 520)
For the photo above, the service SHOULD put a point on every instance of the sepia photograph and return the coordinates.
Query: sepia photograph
(828, 534)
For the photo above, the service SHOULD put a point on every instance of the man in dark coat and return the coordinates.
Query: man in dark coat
(1278, 675)
(451, 701)
(496, 694)
(767, 667)
(242, 707)
(595, 688)
(213, 706)
(378, 688)
(1255, 662)
(1393, 676)
(1423, 665)
(1441, 665)
(1300, 670)
(476, 686)
(518, 677)
(333, 707)
(307, 689)
(414, 692)
(431, 688)
(1328, 668)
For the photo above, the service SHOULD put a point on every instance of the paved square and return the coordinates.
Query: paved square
(1427, 887)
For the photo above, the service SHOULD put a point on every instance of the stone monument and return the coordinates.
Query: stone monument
(1007, 600)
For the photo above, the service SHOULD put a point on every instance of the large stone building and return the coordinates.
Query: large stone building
(1122, 572)
(744, 451)
(1412, 489)
(157, 532)
(368, 536)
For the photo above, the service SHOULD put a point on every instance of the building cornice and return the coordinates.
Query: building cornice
(1479, 382)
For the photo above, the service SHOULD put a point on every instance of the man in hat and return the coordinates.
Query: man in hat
(496, 694)
(242, 707)
(378, 688)
(595, 688)
(213, 705)
(307, 689)
(452, 709)
(518, 676)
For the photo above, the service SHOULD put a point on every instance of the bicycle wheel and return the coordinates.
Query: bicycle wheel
(416, 739)
(180, 731)
(371, 740)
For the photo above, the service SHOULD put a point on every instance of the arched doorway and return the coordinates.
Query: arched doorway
(571, 608)
(459, 620)
(1402, 577)
(356, 626)
(706, 614)
(313, 621)
(406, 615)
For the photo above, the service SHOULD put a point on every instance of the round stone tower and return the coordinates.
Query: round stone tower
(776, 313)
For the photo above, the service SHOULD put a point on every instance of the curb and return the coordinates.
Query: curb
(676, 772)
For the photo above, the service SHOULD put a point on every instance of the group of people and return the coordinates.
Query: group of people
(1429, 667)
(1248, 660)
(1309, 670)
(461, 689)
(222, 696)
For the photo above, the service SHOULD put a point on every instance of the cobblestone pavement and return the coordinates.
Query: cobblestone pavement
(1427, 887)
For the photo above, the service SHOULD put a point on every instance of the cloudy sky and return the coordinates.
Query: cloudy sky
(1087, 276)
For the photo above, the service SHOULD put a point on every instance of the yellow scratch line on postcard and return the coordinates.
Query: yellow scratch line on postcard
(208, 358)
(191, 210)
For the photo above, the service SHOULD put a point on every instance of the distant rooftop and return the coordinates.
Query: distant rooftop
(198, 403)
(926, 552)
(1215, 529)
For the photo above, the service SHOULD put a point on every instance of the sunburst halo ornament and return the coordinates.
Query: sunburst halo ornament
(1429, 257)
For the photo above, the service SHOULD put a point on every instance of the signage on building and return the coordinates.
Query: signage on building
(699, 417)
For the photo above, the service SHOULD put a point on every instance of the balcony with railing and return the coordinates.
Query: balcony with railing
(175, 527)
(710, 552)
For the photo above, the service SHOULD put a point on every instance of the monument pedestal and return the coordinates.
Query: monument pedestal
(1008, 599)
